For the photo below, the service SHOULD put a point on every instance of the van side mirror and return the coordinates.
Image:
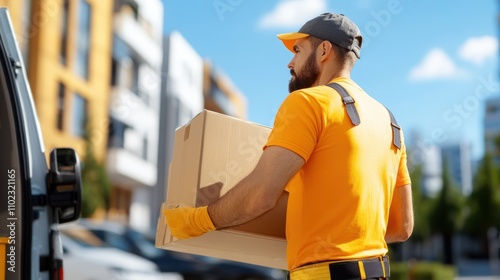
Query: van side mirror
(64, 184)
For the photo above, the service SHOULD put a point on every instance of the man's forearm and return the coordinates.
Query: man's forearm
(246, 201)
(392, 238)
(259, 191)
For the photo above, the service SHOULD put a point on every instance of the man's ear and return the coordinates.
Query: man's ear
(325, 49)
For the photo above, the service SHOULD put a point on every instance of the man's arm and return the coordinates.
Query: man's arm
(400, 225)
(259, 191)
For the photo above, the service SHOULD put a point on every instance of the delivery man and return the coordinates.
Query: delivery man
(341, 156)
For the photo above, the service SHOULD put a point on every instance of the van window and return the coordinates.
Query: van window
(10, 188)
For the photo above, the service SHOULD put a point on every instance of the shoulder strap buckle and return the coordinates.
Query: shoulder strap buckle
(354, 116)
(348, 102)
(396, 131)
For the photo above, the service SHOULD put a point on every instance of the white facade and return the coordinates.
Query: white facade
(432, 181)
(432, 157)
(183, 70)
(135, 103)
(181, 100)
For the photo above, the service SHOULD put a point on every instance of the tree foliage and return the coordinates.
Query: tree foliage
(95, 182)
(484, 201)
(450, 212)
(447, 213)
(421, 230)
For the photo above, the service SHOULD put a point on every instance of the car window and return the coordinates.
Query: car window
(147, 248)
(112, 239)
(10, 188)
(117, 241)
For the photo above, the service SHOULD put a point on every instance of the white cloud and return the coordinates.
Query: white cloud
(478, 49)
(436, 65)
(292, 13)
(364, 4)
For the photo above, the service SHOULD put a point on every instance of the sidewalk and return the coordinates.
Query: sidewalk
(478, 278)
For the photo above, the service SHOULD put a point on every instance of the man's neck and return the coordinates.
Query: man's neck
(325, 78)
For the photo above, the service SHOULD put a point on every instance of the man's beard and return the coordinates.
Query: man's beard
(309, 75)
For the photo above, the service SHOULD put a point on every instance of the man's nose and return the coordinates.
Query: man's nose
(291, 64)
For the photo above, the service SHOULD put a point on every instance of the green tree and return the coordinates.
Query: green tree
(484, 201)
(447, 213)
(421, 230)
(95, 182)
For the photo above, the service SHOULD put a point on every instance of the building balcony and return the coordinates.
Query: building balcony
(134, 35)
(131, 109)
(129, 170)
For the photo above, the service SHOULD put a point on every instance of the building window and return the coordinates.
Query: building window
(83, 39)
(116, 133)
(131, 74)
(63, 55)
(130, 8)
(114, 72)
(60, 106)
(221, 99)
(79, 115)
(491, 108)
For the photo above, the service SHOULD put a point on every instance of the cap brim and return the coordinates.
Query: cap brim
(289, 39)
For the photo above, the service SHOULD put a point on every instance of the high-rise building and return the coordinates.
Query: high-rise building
(432, 171)
(425, 154)
(492, 128)
(134, 109)
(459, 162)
(432, 158)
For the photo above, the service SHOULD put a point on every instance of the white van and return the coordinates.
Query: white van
(34, 197)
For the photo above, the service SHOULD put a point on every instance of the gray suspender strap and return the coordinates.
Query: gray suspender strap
(348, 102)
(396, 131)
(353, 113)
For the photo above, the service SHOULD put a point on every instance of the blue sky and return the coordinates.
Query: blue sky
(432, 63)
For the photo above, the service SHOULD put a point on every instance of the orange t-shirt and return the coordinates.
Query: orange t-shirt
(339, 201)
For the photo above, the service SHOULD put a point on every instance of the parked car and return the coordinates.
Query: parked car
(128, 239)
(86, 257)
(131, 241)
(35, 197)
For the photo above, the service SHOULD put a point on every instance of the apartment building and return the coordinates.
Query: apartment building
(190, 84)
(220, 94)
(66, 46)
(134, 111)
(181, 100)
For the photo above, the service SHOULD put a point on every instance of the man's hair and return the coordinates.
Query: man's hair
(344, 56)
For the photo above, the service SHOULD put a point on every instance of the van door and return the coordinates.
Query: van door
(33, 197)
(23, 227)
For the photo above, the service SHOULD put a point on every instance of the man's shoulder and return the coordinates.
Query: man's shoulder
(312, 91)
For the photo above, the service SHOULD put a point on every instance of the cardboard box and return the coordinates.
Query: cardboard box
(218, 151)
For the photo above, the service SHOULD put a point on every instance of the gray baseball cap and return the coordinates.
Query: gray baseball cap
(335, 28)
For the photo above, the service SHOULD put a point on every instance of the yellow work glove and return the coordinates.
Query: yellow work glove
(187, 222)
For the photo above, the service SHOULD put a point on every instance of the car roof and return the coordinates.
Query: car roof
(115, 227)
(112, 256)
(80, 233)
